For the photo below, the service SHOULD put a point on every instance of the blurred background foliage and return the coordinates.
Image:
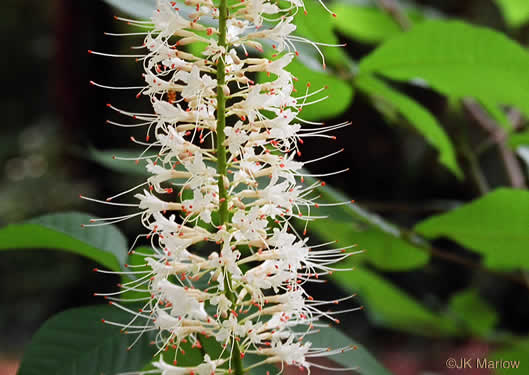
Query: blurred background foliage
(438, 151)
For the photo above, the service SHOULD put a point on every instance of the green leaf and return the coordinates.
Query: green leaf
(75, 342)
(417, 115)
(105, 244)
(329, 337)
(498, 115)
(516, 357)
(142, 9)
(351, 224)
(519, 139)
(358, 358)
(494, 226)
(108, 159)
(476, 315)
(458, 60)
(368, 24)
(515, 12)
(267, 369)
(389, 306)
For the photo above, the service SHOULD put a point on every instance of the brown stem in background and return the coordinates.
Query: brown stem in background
(395, 11)
(418, 241)
(475, 174)
(499, 136)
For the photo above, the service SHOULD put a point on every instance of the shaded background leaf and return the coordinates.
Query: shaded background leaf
(351, 224)
(76, 342)
(392, 307)
(475, 314)
(104, 244)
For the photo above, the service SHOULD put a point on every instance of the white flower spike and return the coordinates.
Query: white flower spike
(221, 153)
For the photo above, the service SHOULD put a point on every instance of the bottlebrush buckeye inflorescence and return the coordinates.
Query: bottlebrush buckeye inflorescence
(220, 151)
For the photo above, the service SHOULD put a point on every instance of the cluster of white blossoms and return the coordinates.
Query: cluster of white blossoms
(220, 151)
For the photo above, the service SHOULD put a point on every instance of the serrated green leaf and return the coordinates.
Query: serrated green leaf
(391, 307)
(458, 60)
(515, 12)
(494, 226)
(75, 342)
(351, 224)
(368, 24)
(477, 316)
(105, 244)
(425, 123)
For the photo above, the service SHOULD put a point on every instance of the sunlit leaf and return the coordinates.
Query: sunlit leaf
(519, 139)
(516, 12)
(458, 60)
(368, 24)
(494, 226)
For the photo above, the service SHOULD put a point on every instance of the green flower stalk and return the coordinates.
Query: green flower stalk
(222, 154)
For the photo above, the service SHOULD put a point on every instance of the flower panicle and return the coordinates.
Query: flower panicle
(222, 155)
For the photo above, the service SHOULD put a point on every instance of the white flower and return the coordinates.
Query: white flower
(167, 20)
(278, 33)
(229, 258)
(151, 203)
(249, 226)
(197, 85)
(166, 322)
(236, 137)
(256, 269)
(201, 174)
(223, 304)
(201, 204)
(182, 303)
(292, 354)
(208, 367)
(255, 8)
